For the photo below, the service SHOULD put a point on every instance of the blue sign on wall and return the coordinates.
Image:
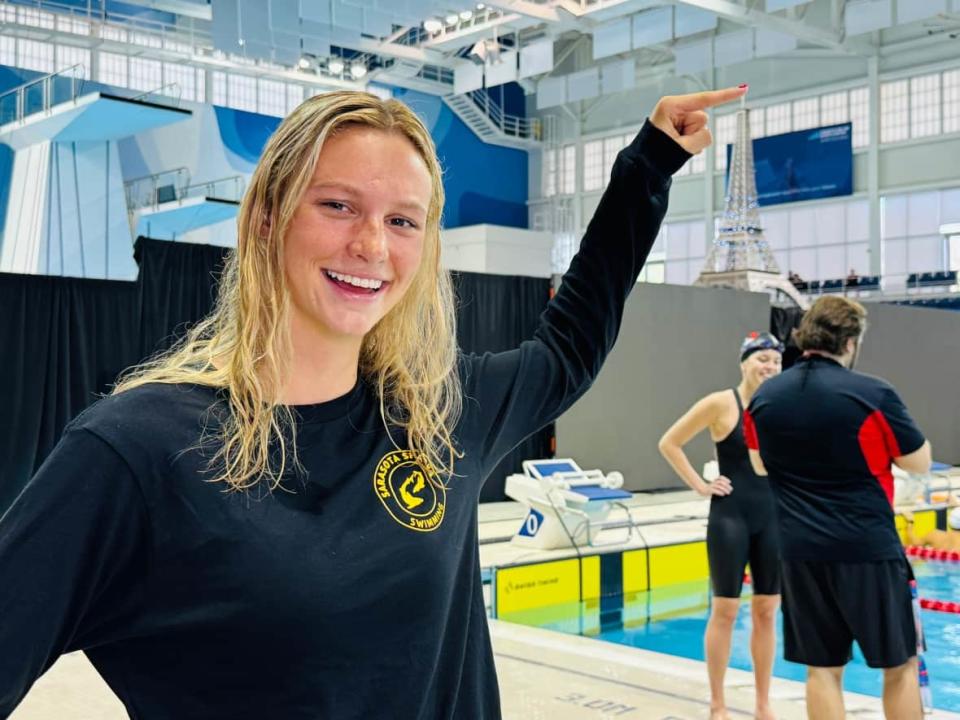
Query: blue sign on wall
(803, 165)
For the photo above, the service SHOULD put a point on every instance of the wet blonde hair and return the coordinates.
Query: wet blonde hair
(244, 345)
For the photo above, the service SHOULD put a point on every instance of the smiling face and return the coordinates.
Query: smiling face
(761, 365)
(355, 241)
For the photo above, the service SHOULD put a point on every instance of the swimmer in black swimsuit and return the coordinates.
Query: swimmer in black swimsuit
(741, 527)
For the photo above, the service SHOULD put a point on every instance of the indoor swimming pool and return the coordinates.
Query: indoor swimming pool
(673, 620)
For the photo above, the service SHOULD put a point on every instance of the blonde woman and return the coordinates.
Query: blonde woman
(278, 518)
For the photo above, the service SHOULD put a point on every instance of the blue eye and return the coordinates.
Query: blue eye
(409, 223)
(334, 205)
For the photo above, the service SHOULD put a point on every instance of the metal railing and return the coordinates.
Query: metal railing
(512, 125)
(229, 188)
(151, 191)
(108, 25)
(891, 286)
(42, 94)
(168, 94)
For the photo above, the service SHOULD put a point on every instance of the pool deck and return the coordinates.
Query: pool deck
(543, 676)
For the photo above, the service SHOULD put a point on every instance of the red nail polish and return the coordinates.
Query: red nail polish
(743, 86)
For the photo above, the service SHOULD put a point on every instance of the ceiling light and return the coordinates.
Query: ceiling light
(357, 70)
(304, 62)
(466, 15)
(451, 19)
(335, 66)
(433, 25)
(480, 6)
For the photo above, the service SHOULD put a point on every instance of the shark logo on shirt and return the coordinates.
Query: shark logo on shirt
(410, 490)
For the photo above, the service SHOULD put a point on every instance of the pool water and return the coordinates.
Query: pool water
(673, 621)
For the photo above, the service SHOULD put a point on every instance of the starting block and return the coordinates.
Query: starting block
(566, 505)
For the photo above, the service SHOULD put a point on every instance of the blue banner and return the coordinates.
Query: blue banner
(803, 165)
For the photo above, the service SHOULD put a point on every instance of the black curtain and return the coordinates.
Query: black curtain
(176, 287)
(64, 341)
(783, 320)
(496, 313)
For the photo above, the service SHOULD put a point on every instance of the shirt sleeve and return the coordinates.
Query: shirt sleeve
(73, 550)
(750, 431)
(903, 436)
(512, 394)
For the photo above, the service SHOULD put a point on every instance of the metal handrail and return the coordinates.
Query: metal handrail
(210, 189)
(158, 92)
(46, 83)
(512, 125)
(143, 192)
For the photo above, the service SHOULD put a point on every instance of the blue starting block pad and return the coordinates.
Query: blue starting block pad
(548, 468)
(594, 492)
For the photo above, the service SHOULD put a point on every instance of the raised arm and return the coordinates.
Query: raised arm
(521, 390)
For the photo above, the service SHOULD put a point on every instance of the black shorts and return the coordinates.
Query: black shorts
(731, 545)
(826, 606)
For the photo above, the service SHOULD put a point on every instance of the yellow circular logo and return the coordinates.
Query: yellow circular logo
(410, 490)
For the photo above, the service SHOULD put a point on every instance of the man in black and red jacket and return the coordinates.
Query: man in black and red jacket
(827, 437)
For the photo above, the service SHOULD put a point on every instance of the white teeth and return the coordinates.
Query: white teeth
(355, 281)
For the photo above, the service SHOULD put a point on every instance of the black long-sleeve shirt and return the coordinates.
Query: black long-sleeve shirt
(356, 596)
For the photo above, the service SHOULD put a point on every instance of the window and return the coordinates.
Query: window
(653, 271)
(778, 119)
(925, 105)
(894, 111)
(33, 55)
(757, 118)
(68, 56)
(860, 116)
(146, 40)
(8, 51)
(698, 163)
(806, 113)
(549, 173)
(568, 170)
(593, 178)
(180, 81)
(201, 92)
(951, 101)
(112, 69)
(295, 97)
(219, 88)
(36, 18)
(272, 97)
(242, 92)
(953, 249)
(834, 108)
(725, 132)
(68, 24)
(108, 32)
(146, 75)
(611, 146)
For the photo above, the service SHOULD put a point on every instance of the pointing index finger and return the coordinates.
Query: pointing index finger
(711, 98)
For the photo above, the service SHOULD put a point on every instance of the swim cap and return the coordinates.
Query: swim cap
(757, 341)
(953, 519)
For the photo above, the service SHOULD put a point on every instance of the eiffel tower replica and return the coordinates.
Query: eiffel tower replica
(740, 257)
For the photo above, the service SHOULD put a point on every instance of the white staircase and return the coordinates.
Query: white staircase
(491, 125)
